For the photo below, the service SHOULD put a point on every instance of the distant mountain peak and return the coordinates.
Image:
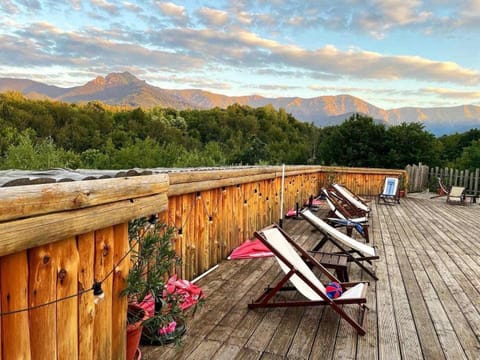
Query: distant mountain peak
(122, 79)
(122, 88)
(115, 80)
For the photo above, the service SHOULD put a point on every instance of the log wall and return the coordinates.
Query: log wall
(57, 239)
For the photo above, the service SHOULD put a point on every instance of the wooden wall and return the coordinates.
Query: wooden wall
(56, 239)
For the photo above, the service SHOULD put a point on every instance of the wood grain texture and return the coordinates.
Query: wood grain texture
(42, 289)
(17, 235)
(34, 200)
(121, 260)
(66, 253)
(102, 330)
(15, 327)
(86, 306)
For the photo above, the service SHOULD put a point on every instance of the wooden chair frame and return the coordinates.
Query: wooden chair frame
(357, 204)
(266, 298)
(354, 255)
(389, 198)
(338, 210)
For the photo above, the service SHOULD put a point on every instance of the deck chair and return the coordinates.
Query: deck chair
(456, 195)
(390, 193)
(341, 216)
(355, 202)
(357, 252)
(298, 267)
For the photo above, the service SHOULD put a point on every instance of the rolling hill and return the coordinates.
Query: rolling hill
(126, 89)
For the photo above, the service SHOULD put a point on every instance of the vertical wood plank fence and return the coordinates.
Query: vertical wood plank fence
(57, 239)
(422, 177)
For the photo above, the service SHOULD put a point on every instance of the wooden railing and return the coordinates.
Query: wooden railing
(57, 239)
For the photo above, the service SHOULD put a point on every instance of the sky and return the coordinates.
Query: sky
(390, 53)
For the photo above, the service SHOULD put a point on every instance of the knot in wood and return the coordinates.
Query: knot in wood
(62, 274)
(105, 250)
(80, 199)
(46, 259)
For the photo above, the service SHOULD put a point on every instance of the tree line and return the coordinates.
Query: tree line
(41, 134)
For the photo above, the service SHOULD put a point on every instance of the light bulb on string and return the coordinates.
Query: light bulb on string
(98, 294)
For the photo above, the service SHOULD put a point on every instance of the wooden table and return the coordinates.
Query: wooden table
(333, 261)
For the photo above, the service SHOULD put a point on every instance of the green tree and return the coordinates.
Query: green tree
(44, 154)
(410, 144)
(470, 157)
(358, 141)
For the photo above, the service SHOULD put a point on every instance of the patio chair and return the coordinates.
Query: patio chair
(298, 267)
(340, 215)
(357, 204)
(456, 195)
(391, 191)
(357, 252)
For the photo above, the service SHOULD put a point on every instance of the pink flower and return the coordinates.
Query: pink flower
(170, 328)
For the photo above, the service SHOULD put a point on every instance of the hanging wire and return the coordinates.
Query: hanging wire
(180, 230)
(96, 288)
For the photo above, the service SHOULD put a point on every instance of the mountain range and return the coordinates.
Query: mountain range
(126, 89)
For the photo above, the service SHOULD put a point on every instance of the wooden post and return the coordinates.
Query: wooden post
(42, 290)
(121, 259)
(475, 186)
(67, 310)
(86, 307)
(15, 327)
(103, 310)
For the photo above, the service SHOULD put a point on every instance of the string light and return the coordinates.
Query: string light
(98, 294)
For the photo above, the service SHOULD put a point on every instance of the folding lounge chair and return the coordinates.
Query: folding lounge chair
(456, 195)
(358, 204)
(390, 193)
(356, 251)
(340, 215)
(296, 264)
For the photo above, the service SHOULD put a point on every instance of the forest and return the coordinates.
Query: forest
(43, 134)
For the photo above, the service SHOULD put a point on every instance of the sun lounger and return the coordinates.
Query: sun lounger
(357, 252)
(297, 265)
(390, 193)
(340, 215)
(456, 195)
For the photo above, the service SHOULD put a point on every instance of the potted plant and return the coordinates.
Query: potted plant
(150, 280)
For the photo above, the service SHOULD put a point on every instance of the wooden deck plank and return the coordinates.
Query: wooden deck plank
(416, 278)
(453, 291)
(388, 343)
(425, 305)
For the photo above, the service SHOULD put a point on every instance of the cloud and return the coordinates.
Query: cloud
(176, 12)
(452, 93)
(132, 7)
(212, 17)
(9, 7)
(105, 6)
(43, 44)
(248, 49)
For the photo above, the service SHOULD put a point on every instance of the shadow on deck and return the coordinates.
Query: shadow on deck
(425, 305)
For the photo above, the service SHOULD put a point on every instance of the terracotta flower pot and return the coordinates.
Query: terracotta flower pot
(134, 330)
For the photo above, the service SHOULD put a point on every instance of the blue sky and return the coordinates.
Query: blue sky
(391, 53)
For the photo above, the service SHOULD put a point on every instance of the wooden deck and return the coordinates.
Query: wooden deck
(425, 305)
